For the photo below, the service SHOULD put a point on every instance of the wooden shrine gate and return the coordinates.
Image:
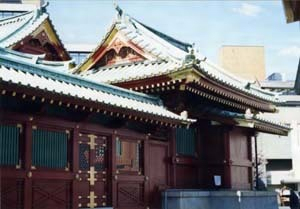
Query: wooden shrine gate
(92, 184)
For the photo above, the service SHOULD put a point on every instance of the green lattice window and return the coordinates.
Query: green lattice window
(186, 141)
(9, 145)
(49, 149)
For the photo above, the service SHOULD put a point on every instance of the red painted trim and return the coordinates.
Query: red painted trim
(227, 168)
(146, 171)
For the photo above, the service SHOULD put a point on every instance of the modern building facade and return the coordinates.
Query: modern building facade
(280, 153)
(247, 62)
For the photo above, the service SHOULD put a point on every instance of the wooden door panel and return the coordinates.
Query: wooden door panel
(130, 181)
(48, 194)
(92, 174)
(11, 193)
(130, 194)
(158, 178)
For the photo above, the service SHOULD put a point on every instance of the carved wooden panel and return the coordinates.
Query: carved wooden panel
(41, 44)
(130, 194)
(11, 194)
(118, 52)
(49, 194)
(92, 175)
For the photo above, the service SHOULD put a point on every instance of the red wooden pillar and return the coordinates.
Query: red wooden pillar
(75, 167)
(173, 157)
(113, 169)
(109, 170)
(27, 165)
(249, 143)
(227, 161)
(146, 169)
(199, 156)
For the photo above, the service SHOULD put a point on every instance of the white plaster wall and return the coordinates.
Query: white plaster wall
(283, 147)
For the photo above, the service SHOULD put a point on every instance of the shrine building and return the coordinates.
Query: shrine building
(144, 113)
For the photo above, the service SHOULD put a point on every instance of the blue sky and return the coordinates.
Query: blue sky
(208, 24)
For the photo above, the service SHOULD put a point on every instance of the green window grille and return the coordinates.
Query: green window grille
(186, 141)
(49, 149)
(9, 145)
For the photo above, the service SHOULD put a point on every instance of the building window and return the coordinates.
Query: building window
(9, 145)
(50, 149)
(279, 165)
(186, 141)
(129, 155)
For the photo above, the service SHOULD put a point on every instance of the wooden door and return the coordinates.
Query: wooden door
(129, 179)
(92, 186)
(158, 172)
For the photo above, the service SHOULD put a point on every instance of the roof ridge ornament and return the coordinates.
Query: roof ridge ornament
(44, 6)
(190, 57)
(118, 9)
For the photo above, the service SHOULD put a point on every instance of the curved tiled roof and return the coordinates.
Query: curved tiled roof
(169, 56)
(131, 71)
(24, 71)
(16, 28)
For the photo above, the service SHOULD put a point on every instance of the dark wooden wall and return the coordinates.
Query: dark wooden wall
(26, 186)
(226, 152)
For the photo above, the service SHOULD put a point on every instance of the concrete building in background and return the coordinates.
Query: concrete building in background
(282, 153)
(79, 52)
(248, 62)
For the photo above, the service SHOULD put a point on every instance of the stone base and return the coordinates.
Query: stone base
(199, 199)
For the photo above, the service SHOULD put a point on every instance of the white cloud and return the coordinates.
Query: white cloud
(292, 51)
(248, 9)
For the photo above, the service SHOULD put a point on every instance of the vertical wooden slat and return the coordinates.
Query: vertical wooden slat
(50, 149)
(9, 141)
(185, 141)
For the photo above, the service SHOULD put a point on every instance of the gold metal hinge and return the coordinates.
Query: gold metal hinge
(19, 125)
(92, 198)
(92, 142)
(68, 134)
(18, 166)
(67, 168)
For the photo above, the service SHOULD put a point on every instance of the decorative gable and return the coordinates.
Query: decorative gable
(43, 41)
(117, 52)
(115, 48)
